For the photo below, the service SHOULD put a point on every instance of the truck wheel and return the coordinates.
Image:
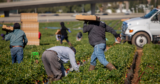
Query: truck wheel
(140, 39)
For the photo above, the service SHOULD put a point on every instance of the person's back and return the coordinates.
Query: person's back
(16, 38)
(63, 29)
(79, 35)
(96, 32)
(63, 52)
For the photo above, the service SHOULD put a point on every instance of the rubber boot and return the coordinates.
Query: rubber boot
(110, 66)
(91, 68)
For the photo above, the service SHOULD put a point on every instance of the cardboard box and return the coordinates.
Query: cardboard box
(30, 26)
(29, 17)
(7, 28)
(124, 19)
(31, 34)
(33, 42)
(87, 17)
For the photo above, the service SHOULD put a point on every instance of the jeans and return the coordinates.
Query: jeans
(99, 53)
(17, 54)
(64, 37)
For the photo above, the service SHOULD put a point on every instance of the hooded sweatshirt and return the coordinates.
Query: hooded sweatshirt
(63, 29)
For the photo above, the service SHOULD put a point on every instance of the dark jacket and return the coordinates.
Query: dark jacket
(63, 29)
(96, 32)
(79, 35)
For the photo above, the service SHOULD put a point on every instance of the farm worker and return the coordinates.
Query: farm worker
(53, 59)
(18, 41)
(96, 34)
(39, 35)
(64, 34)
(79, 36)
(58, 35)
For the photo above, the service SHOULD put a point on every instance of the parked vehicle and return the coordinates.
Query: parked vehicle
(142, 30)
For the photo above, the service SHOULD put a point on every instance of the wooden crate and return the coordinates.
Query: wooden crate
(124, 19)
(32, 34)
(87, 17)
(7, 28)
(30, 26)
(33, 42)
(28, 17)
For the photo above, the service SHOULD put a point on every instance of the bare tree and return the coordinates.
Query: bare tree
(104, 6)
(127, 6)
(120, 6)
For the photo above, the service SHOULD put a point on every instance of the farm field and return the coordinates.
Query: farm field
(120, 55)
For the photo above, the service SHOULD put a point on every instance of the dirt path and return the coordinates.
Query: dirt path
(138, 61)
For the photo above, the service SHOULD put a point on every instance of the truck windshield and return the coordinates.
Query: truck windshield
(150, 13)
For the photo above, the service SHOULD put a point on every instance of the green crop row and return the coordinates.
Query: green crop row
(150, 65)
(119, 55)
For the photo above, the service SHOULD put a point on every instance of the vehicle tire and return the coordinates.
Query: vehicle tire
(140, 39)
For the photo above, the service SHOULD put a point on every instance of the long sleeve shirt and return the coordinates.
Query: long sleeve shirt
(65, 54)
(16, 38)
(96, 32)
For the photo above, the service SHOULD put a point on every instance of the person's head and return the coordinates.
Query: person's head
(94, 23)
(80, 33)
(73, 49)
(16, 26)
(62, 24)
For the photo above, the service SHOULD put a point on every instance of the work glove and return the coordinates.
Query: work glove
(69, 31)
(71, 69)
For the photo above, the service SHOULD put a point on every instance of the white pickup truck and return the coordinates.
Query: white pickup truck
(142, 30)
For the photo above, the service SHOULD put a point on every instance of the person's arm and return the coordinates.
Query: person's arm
(25, 40)
(87, 28)
(68, 30)
(73, 61)
(111, 30)
(8, 36)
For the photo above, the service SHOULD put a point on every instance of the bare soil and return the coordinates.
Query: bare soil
(108, 47)
(138, 61)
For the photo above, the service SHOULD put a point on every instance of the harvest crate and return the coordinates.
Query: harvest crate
(31, 34)
(33, 41)
(30, 26)
(7, 28)
(27, 17)
(124, 19)
(87, 17)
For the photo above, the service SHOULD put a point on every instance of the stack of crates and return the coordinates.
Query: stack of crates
(30, 25)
